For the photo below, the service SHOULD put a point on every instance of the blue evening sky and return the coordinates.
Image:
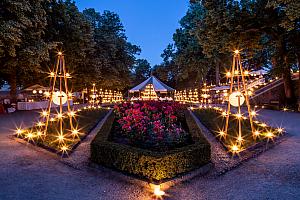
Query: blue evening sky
(149, 24)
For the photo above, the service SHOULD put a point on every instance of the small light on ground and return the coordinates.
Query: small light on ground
(280, 130)
(240, 139)
(239, 116)
(269, 134)
(263, 125)
(64, 149)
(222, 133)
(60, 138)
(224, 114)
(234, 148)
(253, 113)
(256, 133)
(44, 113)
(59, 115)
(157, 191)
(52, 119)
(40, 124)
(72, 113)
(19, 131)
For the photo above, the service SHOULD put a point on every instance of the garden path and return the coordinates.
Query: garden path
(35, 174)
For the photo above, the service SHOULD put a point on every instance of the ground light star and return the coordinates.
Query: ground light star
(158, 192)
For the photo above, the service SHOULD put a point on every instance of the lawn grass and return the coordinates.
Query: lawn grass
(85, 121)
(215, 122)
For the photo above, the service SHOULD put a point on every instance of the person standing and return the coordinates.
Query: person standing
(2, 110)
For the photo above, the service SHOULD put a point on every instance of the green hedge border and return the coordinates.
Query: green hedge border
(149, 165)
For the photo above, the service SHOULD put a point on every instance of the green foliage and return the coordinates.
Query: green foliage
(184, 61)
(291, 10)
(267, 32)
(71, 32)
(95, 46)
(150, 165)
(141, 71)
(114, 55)
(22, 47)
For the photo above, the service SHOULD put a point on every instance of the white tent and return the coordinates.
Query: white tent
(36, 87)
(152, 89)
(158, 86)
(258, 72)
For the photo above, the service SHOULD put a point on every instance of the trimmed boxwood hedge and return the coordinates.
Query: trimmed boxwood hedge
(150, 165)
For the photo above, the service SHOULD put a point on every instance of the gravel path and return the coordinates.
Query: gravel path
(28, 173)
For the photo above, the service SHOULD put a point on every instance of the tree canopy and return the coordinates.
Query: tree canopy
(267, 32)
(94, 44)
(97, 50)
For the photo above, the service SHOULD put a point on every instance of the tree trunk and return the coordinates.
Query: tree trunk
(298, 57)
(288, 85)
(13, 86)
(286, 75)
(218, 73)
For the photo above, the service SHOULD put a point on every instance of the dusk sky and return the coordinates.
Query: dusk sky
(148, 24)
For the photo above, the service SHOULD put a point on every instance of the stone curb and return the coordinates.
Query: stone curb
(79, 159)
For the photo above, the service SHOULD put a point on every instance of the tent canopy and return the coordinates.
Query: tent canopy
(157, 85)
(223, 87)
(36, 87)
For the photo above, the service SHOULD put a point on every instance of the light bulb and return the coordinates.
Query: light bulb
(256, 133)
(157, 191)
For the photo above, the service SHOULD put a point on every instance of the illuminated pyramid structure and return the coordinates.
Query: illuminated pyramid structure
(94, 96)
(149, 93)
(238, 95)
(109, 96)
(195, 96)
(185, 98)
(205, 101)
(59, 79)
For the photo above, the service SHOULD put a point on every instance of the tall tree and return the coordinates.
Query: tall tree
(115, 54)
(22, 48)
(184, 60)
(73, 34)
(142, 70)
(251, 26)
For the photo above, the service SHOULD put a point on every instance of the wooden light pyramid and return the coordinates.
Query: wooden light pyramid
(59, 78)
(237, 96)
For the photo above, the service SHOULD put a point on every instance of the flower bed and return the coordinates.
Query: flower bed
(156, 153)
(151, 125)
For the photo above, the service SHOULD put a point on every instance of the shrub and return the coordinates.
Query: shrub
(146, 164)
